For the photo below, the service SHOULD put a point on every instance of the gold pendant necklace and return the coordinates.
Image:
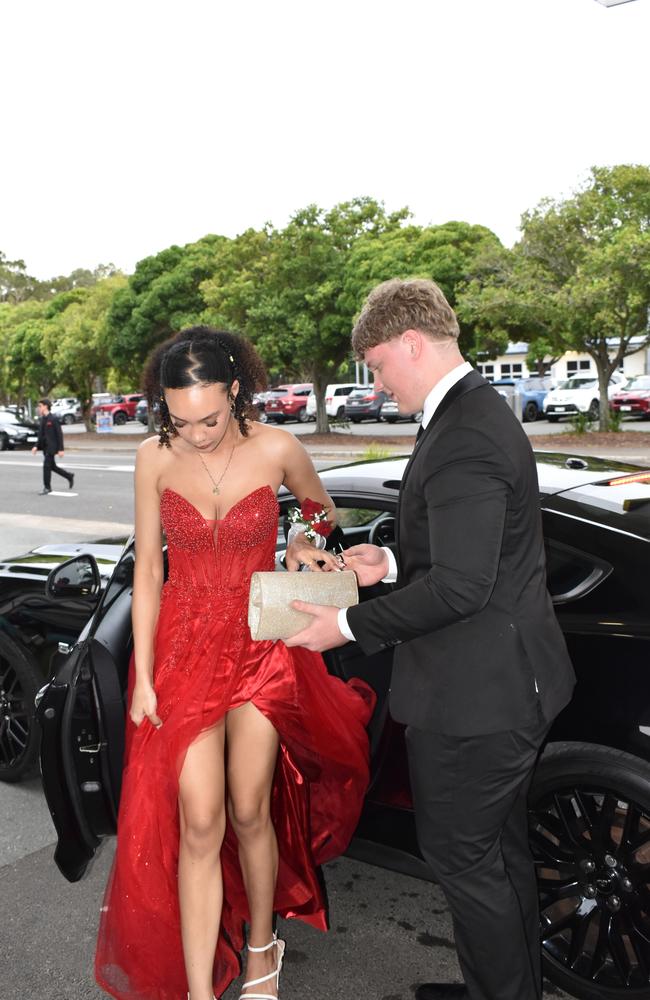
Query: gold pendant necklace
(217, 483)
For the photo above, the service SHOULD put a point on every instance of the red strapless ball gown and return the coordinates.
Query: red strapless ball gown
(206, 664)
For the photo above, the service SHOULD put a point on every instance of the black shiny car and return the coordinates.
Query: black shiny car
(16, 432)
(590, 802)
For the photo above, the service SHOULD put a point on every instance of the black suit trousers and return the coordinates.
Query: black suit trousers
(50, 466)
(470, 809)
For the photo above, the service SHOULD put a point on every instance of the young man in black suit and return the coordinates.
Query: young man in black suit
(481, 668)
(50, 442)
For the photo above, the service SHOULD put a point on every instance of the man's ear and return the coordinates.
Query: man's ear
(412, 341)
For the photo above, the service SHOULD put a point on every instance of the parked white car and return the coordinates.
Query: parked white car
(336, 396)
(390, 413)
(579, 394)
(67, 409)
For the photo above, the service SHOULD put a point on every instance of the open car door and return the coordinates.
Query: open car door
(82, 717)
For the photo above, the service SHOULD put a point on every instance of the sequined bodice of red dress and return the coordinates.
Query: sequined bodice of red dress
(205, 664)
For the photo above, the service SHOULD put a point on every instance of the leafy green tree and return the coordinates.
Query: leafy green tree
(448, 254)
(25, 370)
(15, 284)
(288, 294)
(77, 338)
(579, 278)
(161, 297)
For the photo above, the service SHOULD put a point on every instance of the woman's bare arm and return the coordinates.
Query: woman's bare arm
(301, 478)
(148, 575)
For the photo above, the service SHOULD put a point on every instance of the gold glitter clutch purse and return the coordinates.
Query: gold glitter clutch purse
(269, 613)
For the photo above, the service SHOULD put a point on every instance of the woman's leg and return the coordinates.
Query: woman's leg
(252, 753)
(202, 825)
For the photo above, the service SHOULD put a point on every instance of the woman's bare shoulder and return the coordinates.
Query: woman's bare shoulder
(279, 441)
(151, 456)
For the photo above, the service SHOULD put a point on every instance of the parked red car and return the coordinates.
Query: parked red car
(122, 408)
(634, 399)
(288, 402)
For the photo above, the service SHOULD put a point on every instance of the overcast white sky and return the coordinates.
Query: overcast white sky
(128, 126)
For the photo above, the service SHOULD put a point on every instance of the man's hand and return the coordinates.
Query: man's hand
(34, 451)
(60, 454)
(323, 632)
(369, 562)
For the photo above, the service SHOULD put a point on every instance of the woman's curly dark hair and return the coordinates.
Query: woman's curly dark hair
(203, 355)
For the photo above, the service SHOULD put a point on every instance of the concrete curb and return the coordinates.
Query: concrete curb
(349, 451)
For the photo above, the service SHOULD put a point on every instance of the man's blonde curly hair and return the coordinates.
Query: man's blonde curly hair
(398, 305)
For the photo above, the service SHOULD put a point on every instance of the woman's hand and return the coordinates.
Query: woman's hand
(144, 704)
(369, 562)
(301, 553)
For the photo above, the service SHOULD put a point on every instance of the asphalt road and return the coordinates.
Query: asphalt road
(388, 931)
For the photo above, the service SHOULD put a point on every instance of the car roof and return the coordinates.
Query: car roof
(557, 472)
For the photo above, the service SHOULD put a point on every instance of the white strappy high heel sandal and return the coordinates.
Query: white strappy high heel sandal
(280, 945)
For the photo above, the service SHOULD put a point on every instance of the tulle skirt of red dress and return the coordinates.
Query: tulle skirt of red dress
(320, 780)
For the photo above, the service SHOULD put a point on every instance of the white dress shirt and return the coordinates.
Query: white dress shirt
(432, 401)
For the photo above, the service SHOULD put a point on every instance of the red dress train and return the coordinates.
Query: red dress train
(205, 665)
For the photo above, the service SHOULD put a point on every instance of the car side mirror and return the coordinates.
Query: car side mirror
(77, 578)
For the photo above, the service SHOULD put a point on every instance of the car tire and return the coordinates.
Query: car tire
(589, 816)
(263, 419)
(531, 412)
(340, 413)
(302, 416)
(119, 418)
(355, 420)
(20, 681)
(594, 410)
(4, 442)
(390, 420)
(68, 419)
(552, 420)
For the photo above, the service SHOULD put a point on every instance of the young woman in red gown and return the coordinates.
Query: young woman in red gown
(246, 762)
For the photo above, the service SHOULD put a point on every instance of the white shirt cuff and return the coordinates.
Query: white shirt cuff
(391, 575)
(344, 628)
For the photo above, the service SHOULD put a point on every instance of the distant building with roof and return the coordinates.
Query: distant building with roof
(514, 363)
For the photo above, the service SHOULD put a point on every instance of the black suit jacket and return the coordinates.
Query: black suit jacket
(478, 646)
(50, 435)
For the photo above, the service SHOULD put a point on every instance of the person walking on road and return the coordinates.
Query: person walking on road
(50, 442)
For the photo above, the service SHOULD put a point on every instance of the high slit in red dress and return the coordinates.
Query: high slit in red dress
(205, 664)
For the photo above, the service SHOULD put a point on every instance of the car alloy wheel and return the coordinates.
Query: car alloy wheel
(303, 416)
(19, 736)
(120, 418)
(530, 411)
(68, 419)
(589, 819)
